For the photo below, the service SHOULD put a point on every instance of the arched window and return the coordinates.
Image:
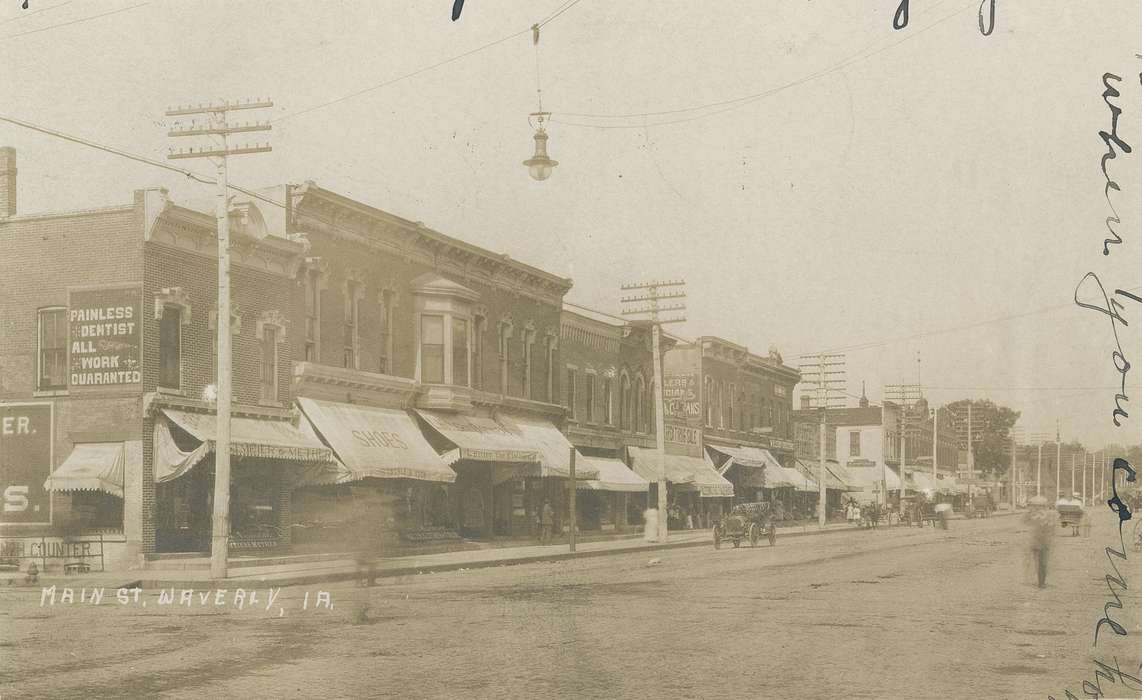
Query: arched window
(639, 404)
(624, 402)
(708, 397)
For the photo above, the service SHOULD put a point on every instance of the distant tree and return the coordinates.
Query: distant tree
(991, 431)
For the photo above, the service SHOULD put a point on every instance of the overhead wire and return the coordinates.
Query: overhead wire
(372, 88)
(738, 102)
(75, 21)
(25, 15)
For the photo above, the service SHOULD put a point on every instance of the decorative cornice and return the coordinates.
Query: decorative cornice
(347, 219)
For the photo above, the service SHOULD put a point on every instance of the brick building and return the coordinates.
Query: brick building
(736, 412)
(106, 323)
(451, 346)
(608, 391)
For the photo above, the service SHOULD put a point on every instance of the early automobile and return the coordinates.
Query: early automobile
(1071, 514)
(746, 521)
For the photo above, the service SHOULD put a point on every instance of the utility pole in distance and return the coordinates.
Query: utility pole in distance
(825, 374)
(219, 131)
(648, 304)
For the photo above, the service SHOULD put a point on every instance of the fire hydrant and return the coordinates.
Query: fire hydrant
(33, 574)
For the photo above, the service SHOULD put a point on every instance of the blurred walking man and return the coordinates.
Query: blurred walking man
(1041, 522)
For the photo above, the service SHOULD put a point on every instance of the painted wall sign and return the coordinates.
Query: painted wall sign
(680, 396)
(25, 463)
(104, 336)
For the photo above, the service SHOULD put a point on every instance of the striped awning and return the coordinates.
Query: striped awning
(92, 466)
(613, 476)
(249, 438)
(685, 472)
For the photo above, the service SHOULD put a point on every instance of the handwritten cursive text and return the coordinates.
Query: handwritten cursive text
(1113, 309)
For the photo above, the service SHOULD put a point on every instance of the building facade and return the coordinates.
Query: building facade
(735, 410)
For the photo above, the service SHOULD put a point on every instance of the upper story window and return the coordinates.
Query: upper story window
(570, 393)
(552, 341)
(385, 341)
(708, 397)
(639, 404)
(172, 311)
(270, 332)
(479, 324)
(461, 343)
(528, 340)
(432, 349)
(730, 396)
(52, 373)
(354, 290)
(591, 397)
(505, 353)
(444, 330)
(608, 410)
(312, 292)
(624, 402)
(170, 347)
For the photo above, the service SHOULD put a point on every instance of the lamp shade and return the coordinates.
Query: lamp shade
(539, 165)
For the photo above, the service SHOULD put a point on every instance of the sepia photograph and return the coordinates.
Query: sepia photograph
(570, 349)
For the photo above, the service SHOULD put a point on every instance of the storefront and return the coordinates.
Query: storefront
(607, 503)
(389, 488)
(696, 492)
(268, 459)
(506, 468)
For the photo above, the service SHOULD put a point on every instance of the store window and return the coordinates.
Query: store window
(528, 341)
(708, 397)
(552, 345)
(52, 373)
(170, 347)
(505, 353)
(854, 443)
(432, 349)
(624, 402)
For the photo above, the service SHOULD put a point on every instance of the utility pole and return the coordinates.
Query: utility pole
(1039, 473)
(825, 374)
(935, 441)
(1013, 475)
(1058, 460)
(219, 130)
(1084, 475)
(906, 395)
(1073, 473)
(656, 292)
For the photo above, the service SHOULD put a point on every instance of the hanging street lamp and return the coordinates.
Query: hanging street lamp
(539, 166)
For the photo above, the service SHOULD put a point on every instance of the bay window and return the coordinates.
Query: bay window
(432, 349)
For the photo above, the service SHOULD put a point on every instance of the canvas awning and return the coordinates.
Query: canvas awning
(869, 478)
(779, 477)
(613, 476)
(553, 447)
(686, 473)
(919, 481)
(91, 466)
(745, 456)
(249, 437)
(842, 474)
(382, 443)
(812, 470)
(479, 438)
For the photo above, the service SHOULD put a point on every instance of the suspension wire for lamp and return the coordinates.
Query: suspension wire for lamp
(535, 44)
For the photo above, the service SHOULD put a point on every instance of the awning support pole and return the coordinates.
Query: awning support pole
(574, 488)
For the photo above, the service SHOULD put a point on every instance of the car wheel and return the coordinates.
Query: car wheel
(717, 539)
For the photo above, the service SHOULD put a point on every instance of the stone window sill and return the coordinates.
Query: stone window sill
(45, 393)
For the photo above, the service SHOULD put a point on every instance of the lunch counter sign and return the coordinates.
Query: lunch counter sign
(103, 325)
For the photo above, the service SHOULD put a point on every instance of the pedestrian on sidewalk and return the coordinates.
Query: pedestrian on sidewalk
(546, 521)
(650, 525)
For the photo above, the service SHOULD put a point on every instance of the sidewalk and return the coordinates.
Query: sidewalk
(345, 569)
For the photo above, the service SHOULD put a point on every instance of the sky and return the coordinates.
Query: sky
(929, 192)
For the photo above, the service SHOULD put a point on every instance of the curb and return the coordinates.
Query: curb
(303, 579)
